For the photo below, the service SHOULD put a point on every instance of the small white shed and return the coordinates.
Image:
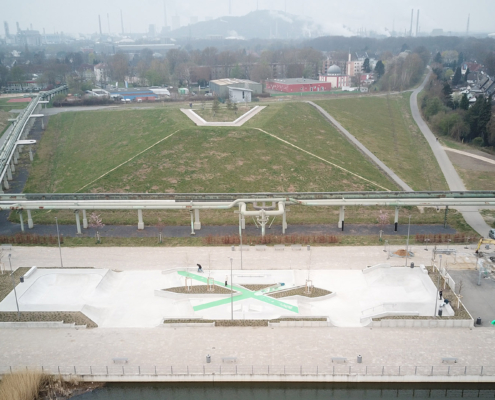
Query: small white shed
(240, 95)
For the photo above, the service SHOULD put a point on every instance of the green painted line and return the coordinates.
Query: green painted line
(244, 295)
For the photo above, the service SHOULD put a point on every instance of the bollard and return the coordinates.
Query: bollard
(208, 359)
(359, 359)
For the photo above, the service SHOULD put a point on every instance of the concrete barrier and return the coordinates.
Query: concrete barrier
(422, 323)
(375, 267)
(31, 271)
(40, 324)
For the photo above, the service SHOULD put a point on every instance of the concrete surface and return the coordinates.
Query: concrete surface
(238, 122)
(127, 299)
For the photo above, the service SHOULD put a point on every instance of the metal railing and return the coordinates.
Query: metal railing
(8, 147)
(240, 369)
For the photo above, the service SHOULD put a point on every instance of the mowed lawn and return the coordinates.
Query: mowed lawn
(78, 148)
(385, 126)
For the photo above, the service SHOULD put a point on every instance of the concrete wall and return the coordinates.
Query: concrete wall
(422, 323)
(41, 324)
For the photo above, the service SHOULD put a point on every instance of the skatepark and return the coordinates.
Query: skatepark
(140, 299)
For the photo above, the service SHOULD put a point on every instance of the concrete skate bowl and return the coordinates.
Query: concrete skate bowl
(61, 291)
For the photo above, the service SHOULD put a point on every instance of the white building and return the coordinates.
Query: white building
(335, 77)
(240, 95)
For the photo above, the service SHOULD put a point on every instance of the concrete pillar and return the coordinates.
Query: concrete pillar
(284, 222)
(19, 148)
(140, 220)
(42, 123)
(78, 222)
(30, 220)
(30, 154)
(5, 182)
(341, 217)
(22, 221)
(85, 220)
(396, 220)
(12, 166)
(9, 173)
(16, 155)
(243, 222)
(192, 222)
(197, 222)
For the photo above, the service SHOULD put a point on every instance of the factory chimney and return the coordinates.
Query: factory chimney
(412, 17)
(122, 21)
(6, 27)
(467, 29)
(99, 21)
(18, 28)
(417, 24)
(165, 13)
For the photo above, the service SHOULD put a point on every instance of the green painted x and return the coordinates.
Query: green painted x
(244, 294)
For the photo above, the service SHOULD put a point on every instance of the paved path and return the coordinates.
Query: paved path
(162, 258)
(58, 110)
(465, 153)
(470, 214)
(238, 122)
(404, 186)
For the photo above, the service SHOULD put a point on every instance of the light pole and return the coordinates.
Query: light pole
(240, 234)
(438, 286)
(13, 284)
(407, 245)
(59, 247)
(231, 292)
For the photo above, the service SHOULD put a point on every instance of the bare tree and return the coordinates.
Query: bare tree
(96, 222)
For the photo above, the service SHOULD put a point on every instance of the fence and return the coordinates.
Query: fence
(259, 370)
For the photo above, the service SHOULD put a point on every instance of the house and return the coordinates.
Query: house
(101, 73)
(240, 95)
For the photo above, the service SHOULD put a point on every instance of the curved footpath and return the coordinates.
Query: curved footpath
(471, 214)
(403, 185)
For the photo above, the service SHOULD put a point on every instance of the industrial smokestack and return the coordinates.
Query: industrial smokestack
(18, 27)
(122, 21)
(417, 24)
(230, 7)
(165, 13)
(467, 28)
(6, 27)
(412, 17)
(108, 21)
(99, 22)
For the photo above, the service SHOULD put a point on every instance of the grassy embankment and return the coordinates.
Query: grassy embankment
(78, 148)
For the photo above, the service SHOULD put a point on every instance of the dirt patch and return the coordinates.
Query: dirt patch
(256, 287)
(402, 253)
(67, 317)
(6, 280)
(240, 322)
(202, 289)
(315, 292)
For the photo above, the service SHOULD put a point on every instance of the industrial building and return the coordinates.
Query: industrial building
(220, 87)
(297, 85)
(134, 94)
(240, 95)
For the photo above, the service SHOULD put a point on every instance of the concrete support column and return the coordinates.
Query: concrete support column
(192, 222)
(78, 222)
(30, 154)
(140, 220)
(341, 217)
(5, 182)
(197, 222)
(16, 156)
(284, 222)
(12, 166)
(396, 220)
(22, 221)
(19, 148)
(85, 220)
(30, 220)
(9, 173)
(42, 123)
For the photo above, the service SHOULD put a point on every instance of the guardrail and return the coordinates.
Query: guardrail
(267, 370)
(8, 147)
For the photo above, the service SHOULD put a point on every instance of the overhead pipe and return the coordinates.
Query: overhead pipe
(262, 216)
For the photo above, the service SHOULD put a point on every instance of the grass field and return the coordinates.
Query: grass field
(385, 126)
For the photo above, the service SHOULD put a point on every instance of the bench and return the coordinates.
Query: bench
(296, 247)
(229, 359)
(339, 360)
(6, 247)
(449, 360)
(279, 247)
(120, 360)
(260, 247)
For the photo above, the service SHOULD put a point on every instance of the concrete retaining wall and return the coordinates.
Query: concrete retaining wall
(188, 325)
(375, 267)
(173, 295)
(300, 324)
(422, 323)
(41, 324)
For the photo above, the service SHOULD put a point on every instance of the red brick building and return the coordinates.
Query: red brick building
(297, 85)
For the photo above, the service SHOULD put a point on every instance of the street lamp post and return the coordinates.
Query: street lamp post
(59, 247)
(15, 292)
(407, 245)
(231, 292)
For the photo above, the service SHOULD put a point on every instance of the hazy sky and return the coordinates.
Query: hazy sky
(82, 16)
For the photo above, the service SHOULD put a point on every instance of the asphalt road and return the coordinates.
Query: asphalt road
(470, 214)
